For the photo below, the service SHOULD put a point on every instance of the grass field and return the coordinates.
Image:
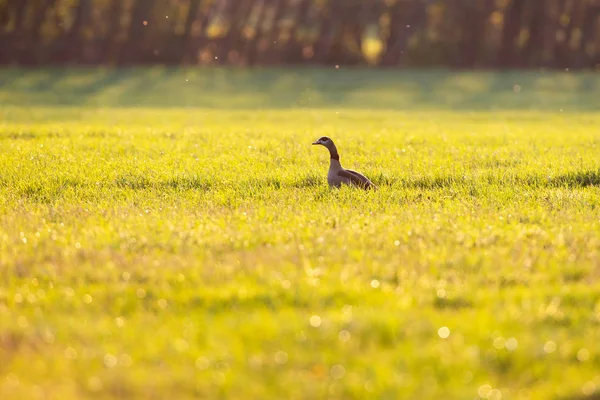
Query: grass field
(170, 234)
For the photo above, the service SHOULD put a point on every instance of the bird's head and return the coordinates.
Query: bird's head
(324, 140)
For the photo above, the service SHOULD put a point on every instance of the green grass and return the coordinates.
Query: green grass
(170, 239)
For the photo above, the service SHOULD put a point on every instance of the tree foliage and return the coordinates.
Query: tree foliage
(392, 33)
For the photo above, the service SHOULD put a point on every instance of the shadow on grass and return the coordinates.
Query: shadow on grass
(139, 182)
(310, 181)
(49, 191)
(576, 179)
(270, 301)
(419, 182)
(277, 183)
(279, 88)
(55, 189)
(572, 179)
(452, 303)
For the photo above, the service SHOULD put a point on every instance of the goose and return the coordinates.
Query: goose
(338, 175)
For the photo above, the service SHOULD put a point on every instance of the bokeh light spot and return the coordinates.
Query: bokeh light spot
(281, 357)
(315, 321)
(444, 332)
(549, 347)
(344, 336)
(338, 371)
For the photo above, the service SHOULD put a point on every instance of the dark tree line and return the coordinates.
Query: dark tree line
(449, 33)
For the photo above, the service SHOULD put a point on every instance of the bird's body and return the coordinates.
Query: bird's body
(337, 175)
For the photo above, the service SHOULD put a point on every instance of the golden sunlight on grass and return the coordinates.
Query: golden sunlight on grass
(163, 234)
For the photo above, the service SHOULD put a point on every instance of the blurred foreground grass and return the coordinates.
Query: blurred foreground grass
(162, 238)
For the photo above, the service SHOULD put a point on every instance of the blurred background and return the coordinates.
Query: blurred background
(469, 34)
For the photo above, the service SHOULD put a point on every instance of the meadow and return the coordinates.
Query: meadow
(169, 233)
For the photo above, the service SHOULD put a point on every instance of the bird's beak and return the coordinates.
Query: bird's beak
(317, 142)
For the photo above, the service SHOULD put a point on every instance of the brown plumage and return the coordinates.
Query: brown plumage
(337, 175)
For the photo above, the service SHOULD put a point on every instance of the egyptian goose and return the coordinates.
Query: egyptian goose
(338, 175)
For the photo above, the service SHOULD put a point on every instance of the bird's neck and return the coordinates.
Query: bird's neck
(333, 153)
(334, 163)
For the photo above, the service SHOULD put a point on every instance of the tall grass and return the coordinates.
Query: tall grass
(170, 250)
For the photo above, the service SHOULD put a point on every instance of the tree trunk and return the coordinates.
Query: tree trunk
(549, 34)
(30, 54)
(191, 17)
(194, 44)
(267, 41)
(473, 23)
(232, 42)
(136, 46)
(249, 51)
(330, 33)
(11, 43)
(564, 53)
(110, 48)
(531, 53)
(407, 19)
(590, 37)
(73, 42)
(510, 32)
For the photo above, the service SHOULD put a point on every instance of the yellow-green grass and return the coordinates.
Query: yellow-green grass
(163, 238)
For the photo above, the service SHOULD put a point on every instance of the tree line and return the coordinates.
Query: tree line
(389, 33)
